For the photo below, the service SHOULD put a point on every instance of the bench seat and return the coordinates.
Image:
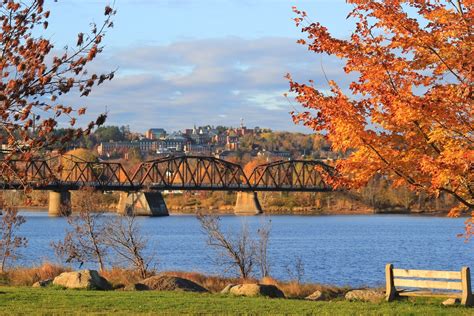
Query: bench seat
(429, 294)
(405, 282)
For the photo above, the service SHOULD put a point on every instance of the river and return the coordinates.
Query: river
(339, 250)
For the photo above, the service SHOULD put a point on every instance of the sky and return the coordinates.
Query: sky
(196, 62)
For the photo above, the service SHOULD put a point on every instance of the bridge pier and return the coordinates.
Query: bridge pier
(142, 204)
(59, 203)
(247, 204)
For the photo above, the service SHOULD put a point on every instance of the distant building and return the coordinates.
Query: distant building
(174, 142)
(155, 133)
(109, 149)
(274, 154)
(192, 149)
(226, 154)
(232, 142)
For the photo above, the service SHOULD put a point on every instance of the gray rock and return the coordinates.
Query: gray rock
(317, 296)
(172, 283)
(85, 279)
(257, 290)
(365, 295)
(322, 295)
(451, 301)
(43, 283)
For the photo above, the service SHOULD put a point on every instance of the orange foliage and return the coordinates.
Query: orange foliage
(34, 76)
(28, 276)
(250, 166)
(409, 113)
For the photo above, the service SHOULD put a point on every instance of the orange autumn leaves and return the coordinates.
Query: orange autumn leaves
(34, 75)
(409, 113)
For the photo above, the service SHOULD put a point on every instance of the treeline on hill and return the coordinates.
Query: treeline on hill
(296, 143)
(101, 134)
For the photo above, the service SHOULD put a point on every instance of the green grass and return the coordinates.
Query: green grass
(54, 301)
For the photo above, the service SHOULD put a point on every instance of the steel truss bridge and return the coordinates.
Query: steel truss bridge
(168, 173)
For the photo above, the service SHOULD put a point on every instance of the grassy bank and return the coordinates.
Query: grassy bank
(30, 301)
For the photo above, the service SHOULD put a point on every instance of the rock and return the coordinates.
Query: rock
(136, 287)
(256, 290)
(317, 296)
(365, 296)
(226, 290)
(172, 283)
(43, 283)
(451, 301)
(85, 279)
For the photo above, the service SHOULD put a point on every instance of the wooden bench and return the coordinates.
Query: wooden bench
(402, 282)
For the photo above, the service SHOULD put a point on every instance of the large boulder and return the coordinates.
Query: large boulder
(365, 295)
(172, 283)
(256, 290)
(85, 279)
(226, 290)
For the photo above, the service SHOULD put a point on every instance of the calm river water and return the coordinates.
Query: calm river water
(340, 250)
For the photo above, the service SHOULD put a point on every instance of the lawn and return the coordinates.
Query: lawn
(31, 301)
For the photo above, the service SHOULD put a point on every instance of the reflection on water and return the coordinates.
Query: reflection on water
(341, 250)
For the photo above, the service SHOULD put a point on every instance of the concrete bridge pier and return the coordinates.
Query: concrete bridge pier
(247, 204)
(59, 203)
(142, 204)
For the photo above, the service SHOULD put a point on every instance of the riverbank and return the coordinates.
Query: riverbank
(220, 202)
(192, 293)
(297, 211)
(30, 301)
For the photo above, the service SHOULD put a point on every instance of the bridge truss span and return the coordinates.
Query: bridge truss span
(77, 173)
(168, 173)
(190, 173)
(291, 175)
(16, 174)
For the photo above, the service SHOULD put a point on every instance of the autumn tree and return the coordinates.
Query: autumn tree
(408, 114)
(34, 75)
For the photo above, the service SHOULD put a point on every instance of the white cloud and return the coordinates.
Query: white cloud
(212, 81)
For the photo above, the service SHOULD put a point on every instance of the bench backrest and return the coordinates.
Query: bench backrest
(428, 279)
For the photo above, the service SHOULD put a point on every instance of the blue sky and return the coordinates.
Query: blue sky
(185, 62)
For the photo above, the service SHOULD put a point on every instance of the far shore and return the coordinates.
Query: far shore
(229, 211)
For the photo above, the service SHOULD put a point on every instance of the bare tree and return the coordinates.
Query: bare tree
(296, 269)
(10, 242)
(85, 241)
(126, 240)
(262, 248)
(238, 252)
